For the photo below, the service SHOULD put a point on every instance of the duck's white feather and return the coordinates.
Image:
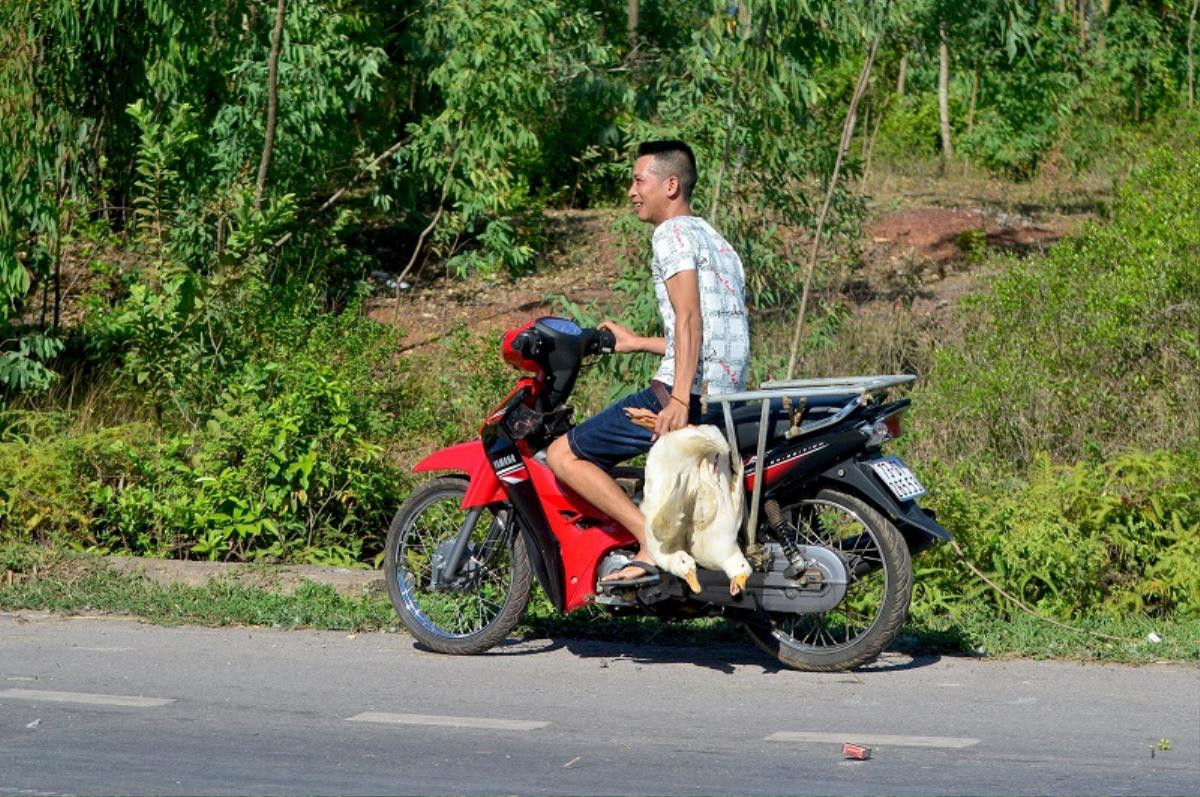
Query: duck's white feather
(693, 503)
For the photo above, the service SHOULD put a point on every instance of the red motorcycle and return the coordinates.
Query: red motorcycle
(830, 524)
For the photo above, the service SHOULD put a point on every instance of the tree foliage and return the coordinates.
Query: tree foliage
(504, 107)
(432, 136)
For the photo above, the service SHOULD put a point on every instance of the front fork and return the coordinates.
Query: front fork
(452, 572)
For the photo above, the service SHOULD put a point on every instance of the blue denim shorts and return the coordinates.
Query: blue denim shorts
(609, 437)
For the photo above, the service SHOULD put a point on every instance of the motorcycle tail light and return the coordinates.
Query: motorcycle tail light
(893, 425)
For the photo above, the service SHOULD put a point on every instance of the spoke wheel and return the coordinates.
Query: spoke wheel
(877, 596)
(481, 606)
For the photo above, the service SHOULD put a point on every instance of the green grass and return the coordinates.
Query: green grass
(985, 634)
(71, 583)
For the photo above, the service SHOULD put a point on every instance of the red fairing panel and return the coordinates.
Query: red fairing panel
(468, 458)
(582, 548)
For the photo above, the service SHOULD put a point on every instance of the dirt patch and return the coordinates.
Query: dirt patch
(579, 264)
(88, 269)
(911, 253)
(275, 578)
(917, 253)
(941, 234)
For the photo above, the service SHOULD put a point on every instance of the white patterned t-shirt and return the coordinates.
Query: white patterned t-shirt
(690, 242)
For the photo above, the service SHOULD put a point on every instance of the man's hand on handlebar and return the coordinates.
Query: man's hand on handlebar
(627, 340)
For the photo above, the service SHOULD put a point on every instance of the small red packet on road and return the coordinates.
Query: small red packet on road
(856, 751)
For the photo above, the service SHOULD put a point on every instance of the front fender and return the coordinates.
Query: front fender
(469, 458)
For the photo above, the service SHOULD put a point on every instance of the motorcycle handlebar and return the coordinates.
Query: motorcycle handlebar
(600, 341)
(530, 343)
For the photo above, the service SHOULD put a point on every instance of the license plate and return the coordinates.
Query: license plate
(900, 480)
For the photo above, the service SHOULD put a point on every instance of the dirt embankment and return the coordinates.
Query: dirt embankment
(919, 243)
(925, 253)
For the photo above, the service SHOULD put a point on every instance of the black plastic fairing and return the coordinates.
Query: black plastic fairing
(540, 542)
(562, 353)
(920, 530)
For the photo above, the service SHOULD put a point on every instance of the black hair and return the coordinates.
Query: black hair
(674, 159)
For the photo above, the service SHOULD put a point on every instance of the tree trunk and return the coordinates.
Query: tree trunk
(63, 228)
(879, 114)
(900, 78)
(974, 97)
(1137, 96)
(866, 138)
(428, 229)
(715, 206)
(1105, 7)
(860, 88)
(1060, 7)
(1191, 61)
(1082, 10)
(264, 163)
(633, 23)
(944, 97)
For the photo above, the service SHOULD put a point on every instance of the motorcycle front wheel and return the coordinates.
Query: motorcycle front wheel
(477, 607)
(875, 607)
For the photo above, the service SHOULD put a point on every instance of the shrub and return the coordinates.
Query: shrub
(288, 459)
(1112, 538)
(1091, 348)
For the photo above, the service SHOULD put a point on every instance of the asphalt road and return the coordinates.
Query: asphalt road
(112, 706)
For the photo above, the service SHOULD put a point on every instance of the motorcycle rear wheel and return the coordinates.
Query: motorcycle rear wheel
(876, 603)
(480, 607)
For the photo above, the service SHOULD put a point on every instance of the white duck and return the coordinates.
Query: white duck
(718, 515)
(693, 506)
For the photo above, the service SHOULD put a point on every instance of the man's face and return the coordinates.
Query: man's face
(649, 192)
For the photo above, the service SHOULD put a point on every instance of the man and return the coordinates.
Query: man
(700, 285)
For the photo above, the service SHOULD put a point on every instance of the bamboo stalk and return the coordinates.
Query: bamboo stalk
(860, 88)
(264, 162)
(1191, 60)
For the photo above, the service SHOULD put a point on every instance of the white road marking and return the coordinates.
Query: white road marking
(480, 723)
(129, 701)
(104, 650)
(883, 740)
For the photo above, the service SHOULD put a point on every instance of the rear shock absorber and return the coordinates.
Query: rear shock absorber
(784, 534)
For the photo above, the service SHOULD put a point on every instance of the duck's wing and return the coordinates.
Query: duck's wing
(735, 472)
(669, 524)
(705, 489)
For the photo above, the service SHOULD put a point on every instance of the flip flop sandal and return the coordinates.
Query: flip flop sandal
(652, 576)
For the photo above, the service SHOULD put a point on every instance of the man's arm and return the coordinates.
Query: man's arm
(629, 341)
(683, 290)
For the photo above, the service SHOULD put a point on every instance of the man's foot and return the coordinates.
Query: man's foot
(634, 574)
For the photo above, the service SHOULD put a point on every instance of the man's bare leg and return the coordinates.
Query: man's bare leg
(603, 493)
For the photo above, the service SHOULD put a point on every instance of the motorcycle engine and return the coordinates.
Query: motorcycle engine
(614, 561)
